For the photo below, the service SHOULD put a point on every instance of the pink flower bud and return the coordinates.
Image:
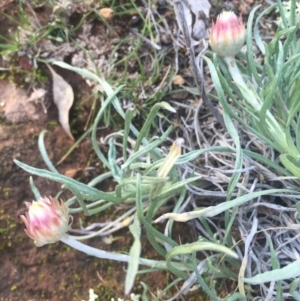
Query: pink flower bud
(47, 221)
(227, 35)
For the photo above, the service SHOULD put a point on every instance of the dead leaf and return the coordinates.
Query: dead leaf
(196, 13)
(37, 94)
(15, 104)
(110, 239)
(63, 97)
(70, 173)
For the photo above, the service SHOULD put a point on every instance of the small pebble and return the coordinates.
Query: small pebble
(178, 80)
(106, 13)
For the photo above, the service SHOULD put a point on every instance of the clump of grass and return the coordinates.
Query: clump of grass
(128, 47)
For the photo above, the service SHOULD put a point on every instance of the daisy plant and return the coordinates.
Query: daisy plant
(262, 96)
(159, 175)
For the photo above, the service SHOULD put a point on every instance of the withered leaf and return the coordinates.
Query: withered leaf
(63, 97)
(196, 13)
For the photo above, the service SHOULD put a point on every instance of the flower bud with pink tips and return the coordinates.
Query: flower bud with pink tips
(227, 35)
(47, 220)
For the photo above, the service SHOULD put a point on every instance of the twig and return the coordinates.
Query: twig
(149, 42)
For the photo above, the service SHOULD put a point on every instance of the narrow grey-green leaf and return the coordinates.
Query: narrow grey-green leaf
(215, 210)
(290, 271)
(134, 256)
(44, 153)
(88, 193)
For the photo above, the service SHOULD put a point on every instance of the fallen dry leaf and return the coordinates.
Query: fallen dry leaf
(37, 94)
(196, 12)
(63, 97)
(70, 173)
(15, 105)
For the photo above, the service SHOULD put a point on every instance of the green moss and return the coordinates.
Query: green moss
(77, 278)
(5, 191)
(106, 292)
(67, 248)
(7, 227)
(52, 123)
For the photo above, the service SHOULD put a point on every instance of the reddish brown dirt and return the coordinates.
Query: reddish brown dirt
(52, 272)
(28, 272)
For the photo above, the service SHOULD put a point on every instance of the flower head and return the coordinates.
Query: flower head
(47, 220)
(227, 35)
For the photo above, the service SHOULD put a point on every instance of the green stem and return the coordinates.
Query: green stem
(154, 264)
(109, 255)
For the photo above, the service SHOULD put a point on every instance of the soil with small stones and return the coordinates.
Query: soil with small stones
(57, 272)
